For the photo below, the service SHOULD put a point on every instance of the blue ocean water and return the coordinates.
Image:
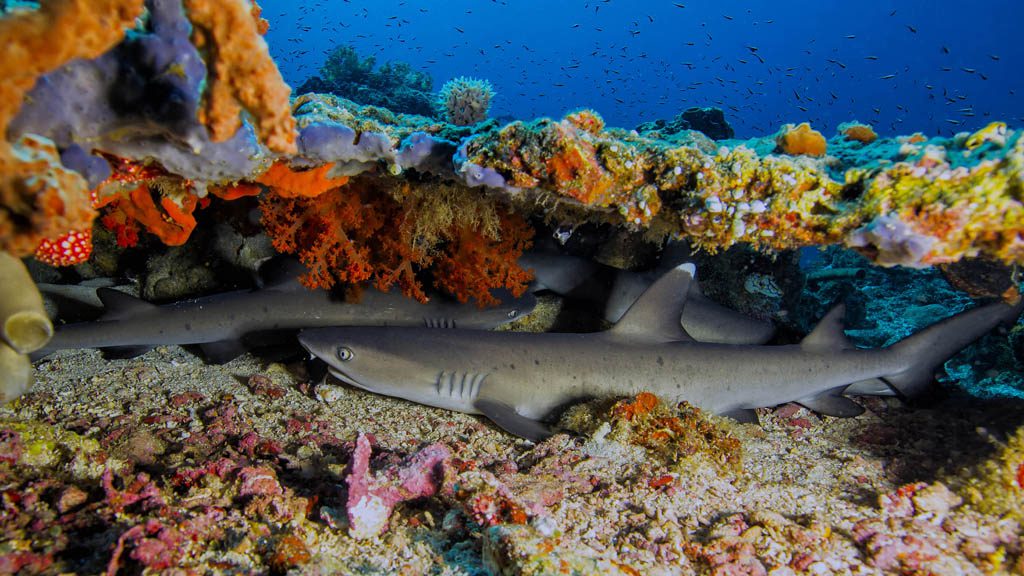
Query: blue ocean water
(934, 66)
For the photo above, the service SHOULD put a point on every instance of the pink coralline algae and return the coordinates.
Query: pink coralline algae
(372, 496)
(924, 530)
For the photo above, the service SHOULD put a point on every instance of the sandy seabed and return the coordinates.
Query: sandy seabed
(164, 463)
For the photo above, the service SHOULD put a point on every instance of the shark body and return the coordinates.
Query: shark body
(702, 318)
(519, 380)
(218, 323)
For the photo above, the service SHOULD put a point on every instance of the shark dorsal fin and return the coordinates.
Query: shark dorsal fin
(828, 334)
(120, 305)
(655, 315)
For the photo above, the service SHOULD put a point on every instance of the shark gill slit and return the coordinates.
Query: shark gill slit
(439, 322)
(461, 384)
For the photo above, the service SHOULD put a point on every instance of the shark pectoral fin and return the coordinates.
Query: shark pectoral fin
(222, 351)
(655, 315)
(506, 417)
(742, 415)
(832, 404)
(124, 352)
(871, 387)
(119, 305)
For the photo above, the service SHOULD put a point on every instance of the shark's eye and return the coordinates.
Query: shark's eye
(513, 313)
(345, 353)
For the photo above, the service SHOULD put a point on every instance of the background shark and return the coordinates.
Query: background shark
(616, 290)
(219, 323)
(518, 380)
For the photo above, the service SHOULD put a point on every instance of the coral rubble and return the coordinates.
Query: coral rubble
(163, 463)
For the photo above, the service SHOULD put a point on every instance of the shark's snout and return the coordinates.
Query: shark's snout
(319, 343)
(325, 345)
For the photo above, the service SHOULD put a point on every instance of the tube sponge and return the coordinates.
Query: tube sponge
(24, 325)
(465, 101)
(15, 374)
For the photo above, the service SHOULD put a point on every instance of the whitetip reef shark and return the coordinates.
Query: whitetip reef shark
(518, 380)
(219, 323)
(702, 318)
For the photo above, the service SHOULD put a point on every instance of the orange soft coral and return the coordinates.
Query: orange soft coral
(241, 74)
(473, 264)
(361, 232)
(858, 132)
(289, 183)
(800, 139)
(339, 236)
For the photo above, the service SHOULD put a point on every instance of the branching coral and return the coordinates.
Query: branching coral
(241, 73)
(396, 86)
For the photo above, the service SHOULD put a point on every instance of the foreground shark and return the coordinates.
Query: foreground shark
(520, 379)
(218, 323)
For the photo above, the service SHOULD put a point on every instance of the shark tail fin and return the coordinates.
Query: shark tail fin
(927, 350)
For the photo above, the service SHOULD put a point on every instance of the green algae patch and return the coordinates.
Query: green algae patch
(46, 445)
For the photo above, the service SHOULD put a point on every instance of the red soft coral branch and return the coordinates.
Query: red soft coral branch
(473, 264)
(360, 232)
(340, 235)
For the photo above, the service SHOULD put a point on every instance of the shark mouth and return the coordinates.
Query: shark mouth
(338, 374)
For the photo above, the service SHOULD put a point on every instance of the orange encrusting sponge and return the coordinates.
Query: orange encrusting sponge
(800, 139)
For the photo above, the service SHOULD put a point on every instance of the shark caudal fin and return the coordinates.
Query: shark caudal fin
(927, 350)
